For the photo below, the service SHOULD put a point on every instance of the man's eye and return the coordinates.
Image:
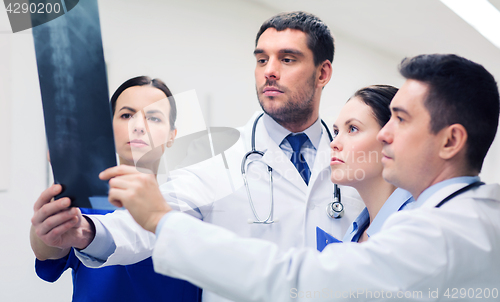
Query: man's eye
(288, 60)
(261, 61)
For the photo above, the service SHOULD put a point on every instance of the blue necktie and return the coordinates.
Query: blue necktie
(296, 141)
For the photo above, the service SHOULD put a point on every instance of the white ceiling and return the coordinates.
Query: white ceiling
(400, 28)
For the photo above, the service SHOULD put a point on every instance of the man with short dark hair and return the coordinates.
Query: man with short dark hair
(461, 99)
(447, 248)
(294, 52)
(319, 38)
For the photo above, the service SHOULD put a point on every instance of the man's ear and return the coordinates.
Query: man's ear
(454, 141)
(325, 73)
(171, 137)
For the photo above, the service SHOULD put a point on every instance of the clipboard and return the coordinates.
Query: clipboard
(323, 239)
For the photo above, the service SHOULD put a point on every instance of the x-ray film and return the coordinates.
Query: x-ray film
(76, 108)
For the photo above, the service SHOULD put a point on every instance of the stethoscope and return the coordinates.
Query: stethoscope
(334, 209)
(462, 190)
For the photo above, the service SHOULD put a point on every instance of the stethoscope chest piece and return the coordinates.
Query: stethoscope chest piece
(335, 209)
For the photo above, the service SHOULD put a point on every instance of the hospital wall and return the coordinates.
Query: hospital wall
(201, 45)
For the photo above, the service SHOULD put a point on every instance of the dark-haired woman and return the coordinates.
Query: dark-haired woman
(356, 161)
(144, 114)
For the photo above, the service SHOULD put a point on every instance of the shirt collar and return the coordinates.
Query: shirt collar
(357, 227)
(278, 132)
(398, 199)
(424, 196)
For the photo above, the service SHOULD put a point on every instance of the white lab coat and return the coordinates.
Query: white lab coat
(217, 195)
(419, 255)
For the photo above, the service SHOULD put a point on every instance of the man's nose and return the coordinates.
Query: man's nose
(272, 71)
(385, 134)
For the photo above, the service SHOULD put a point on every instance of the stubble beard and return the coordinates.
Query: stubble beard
(296, 110)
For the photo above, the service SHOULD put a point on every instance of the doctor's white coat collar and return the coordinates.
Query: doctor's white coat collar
(441, 190)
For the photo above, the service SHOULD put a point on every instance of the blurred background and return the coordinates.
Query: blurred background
(206, 46)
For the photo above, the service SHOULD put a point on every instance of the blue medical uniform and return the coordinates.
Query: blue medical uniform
(137, 282)
(398, 200)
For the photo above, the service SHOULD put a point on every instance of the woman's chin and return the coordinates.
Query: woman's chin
(338, 177)
(338, 181)
(343, 181)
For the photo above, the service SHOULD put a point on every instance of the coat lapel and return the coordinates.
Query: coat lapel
(322, 159)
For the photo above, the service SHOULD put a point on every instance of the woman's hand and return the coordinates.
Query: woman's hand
(138, 193)
(55, 227)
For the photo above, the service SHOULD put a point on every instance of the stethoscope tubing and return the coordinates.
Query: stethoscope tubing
(335, 209)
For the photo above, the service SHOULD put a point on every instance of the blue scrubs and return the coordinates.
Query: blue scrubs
(137, 282)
